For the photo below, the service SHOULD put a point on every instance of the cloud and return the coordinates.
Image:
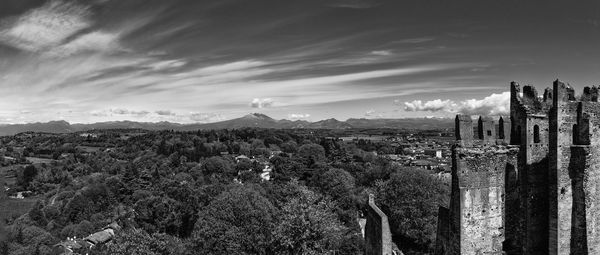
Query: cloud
(205, 117)
(167, 64)
(262, 103)
(429, 106)
(298, 116)
(373, 113)
(97, 41)
(119, 111)
(495, 104)
(165, 113)
(46, 26)
(381, 52)
(415, 40)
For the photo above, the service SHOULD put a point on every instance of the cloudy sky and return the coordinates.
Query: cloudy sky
(209, 60)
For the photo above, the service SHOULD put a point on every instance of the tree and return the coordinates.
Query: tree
(26, 175)
(158, 214)
(308, 225)
(217, 165)
(411, 198)
(340, 185)
(238, 221)
(312, 152)
(289, 147)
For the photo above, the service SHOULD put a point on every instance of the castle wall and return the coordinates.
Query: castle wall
(378, 236)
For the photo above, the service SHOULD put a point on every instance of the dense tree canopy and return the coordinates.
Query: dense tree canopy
(206, 192)
(411, 199)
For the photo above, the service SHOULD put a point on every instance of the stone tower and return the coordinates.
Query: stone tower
(474, 221)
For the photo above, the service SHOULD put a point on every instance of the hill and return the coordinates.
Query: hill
(256, 120)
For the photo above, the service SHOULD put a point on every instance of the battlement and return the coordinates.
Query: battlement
(528, 100)
(486, 130)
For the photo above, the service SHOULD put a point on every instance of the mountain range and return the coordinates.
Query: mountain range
(257, 120)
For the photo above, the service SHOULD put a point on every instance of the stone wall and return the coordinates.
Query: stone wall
(378, 237)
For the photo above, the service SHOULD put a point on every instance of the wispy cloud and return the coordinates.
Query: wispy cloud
(415, 40)
(205, 117)
(120, 111)
(97, 41)
(46, 26)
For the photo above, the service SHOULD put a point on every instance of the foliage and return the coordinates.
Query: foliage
(238, 221)
(411, 199)
(308, 225)
(189, 193)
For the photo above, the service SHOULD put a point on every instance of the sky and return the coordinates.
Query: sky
(199, 61)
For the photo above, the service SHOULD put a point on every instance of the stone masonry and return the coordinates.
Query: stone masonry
(532, 187)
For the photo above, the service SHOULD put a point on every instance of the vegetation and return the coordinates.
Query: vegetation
(207, 192)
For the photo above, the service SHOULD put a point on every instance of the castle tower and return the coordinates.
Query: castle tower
(474, 222)
(563, 119)
(529, 193)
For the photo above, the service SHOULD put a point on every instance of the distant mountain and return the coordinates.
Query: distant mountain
(412, 123)
(330, 124)
(256, 120)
